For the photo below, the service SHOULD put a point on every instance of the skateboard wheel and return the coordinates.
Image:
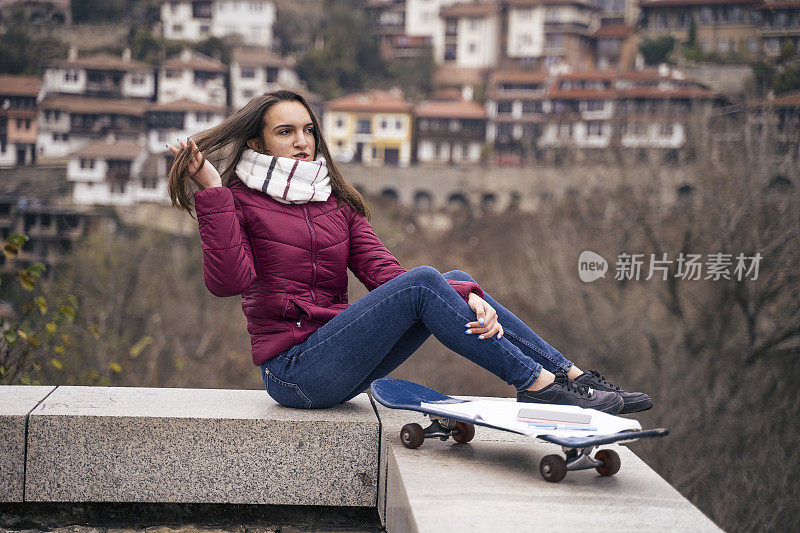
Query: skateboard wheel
(412, 435)
(465, 432)
(553, 468)
(611, 462)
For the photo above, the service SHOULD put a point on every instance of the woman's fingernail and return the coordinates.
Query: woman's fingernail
(468, 331)
(480, 321)
(480, 336)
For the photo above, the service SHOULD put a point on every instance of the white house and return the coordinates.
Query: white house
(101, 75)
(256, 71)
(549, 33)
(104, 173)
(167, 122)
(194, 76)
(195, 21)
(468, 35)
(68, 123)
(422, 17)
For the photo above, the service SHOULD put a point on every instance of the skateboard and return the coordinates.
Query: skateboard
(578, 431)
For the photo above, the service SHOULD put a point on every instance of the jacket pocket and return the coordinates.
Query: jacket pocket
(294, 308)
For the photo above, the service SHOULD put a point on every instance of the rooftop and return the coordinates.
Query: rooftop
(16, 85)
(193, 60)
(374, 101)
(453, 109)
(105, 150)
(185, 104)
(676, 3)
(256, 57)
(105, 62)
(617, 31)
(469, 10)
(87, 104)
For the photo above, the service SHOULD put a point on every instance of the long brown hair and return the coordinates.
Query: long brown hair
(224, 143)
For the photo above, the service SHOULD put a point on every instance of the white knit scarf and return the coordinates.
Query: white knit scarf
(288, 180)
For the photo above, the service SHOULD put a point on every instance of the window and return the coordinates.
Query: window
(503, 106)
(565, 129)
(71, 76)
(149, 183)
(594, 105)
(364, 126)
(532, 106)
(87, 164)
(202, 117)
(248, 93)
(667, 129)
(248, 72)
(424, 125)
(204, 29)
(594, 129)
(398, 124)
(472, 48)
(118, 187)
(384, 124)
(137, 79)
(177, 28)
(339, 123)
(173, 74)
(272, 74)
(504, 130)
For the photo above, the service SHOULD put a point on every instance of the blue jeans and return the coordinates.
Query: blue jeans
(374, 335)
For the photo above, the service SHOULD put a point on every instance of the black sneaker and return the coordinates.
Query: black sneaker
(564, 391)
(634, 401)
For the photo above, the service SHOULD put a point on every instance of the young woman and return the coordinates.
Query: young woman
(280, 225)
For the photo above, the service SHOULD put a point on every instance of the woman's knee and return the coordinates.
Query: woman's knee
(425, 274)
(458, 275)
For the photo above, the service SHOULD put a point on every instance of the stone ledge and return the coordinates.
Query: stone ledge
(493, 483)
(126, 444)
(16, 401)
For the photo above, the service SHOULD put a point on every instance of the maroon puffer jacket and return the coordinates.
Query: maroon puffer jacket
(289, 261)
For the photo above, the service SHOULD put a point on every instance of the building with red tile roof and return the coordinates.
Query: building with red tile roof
(18, 125)
(192, 75)
(373, 127)
(449, 132)
(566, 115)
(107, 172)
(102, 75)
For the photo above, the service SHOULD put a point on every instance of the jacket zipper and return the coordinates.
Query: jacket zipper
(313, 253)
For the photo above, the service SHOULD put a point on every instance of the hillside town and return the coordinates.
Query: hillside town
(514, 83)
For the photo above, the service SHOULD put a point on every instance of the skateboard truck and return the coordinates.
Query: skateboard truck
(553, 467)
(413, 435)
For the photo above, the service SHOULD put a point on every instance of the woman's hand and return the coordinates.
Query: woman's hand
(487, 315)
(208, 175)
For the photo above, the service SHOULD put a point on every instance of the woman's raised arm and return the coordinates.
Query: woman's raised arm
(227, 253)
